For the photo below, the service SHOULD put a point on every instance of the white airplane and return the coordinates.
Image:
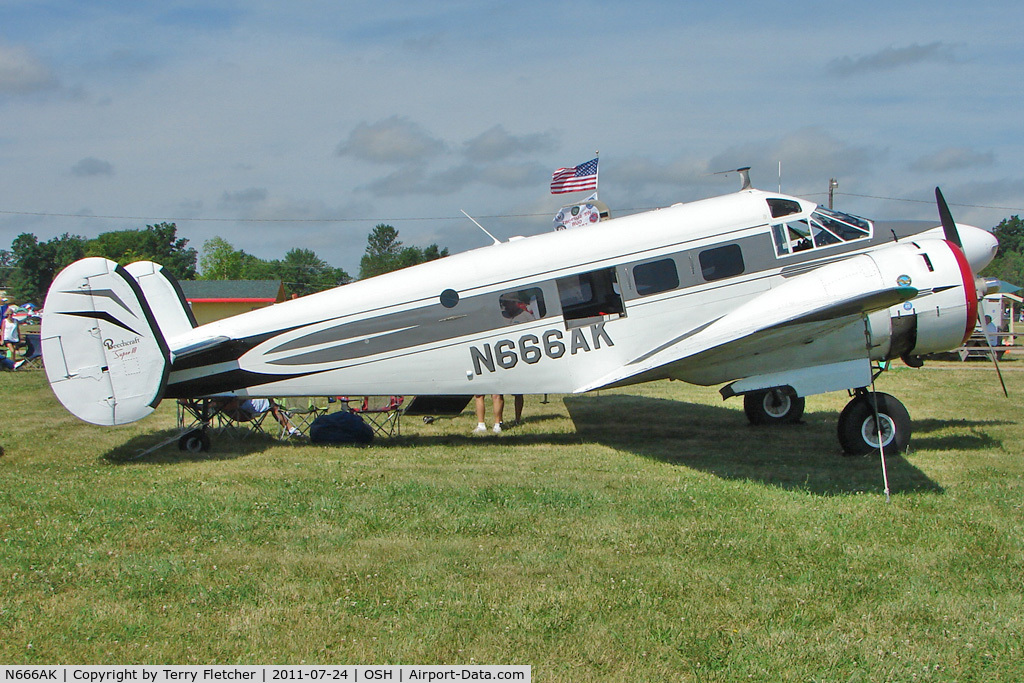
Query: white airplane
(771, 295)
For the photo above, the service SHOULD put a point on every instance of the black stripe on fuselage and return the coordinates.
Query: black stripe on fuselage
(230, 350)
(226, 383)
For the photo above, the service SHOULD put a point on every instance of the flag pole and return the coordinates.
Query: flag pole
(597, 176)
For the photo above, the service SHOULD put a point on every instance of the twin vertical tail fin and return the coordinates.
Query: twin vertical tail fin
(105, 355)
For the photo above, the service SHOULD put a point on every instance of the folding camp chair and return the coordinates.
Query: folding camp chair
(33, 353)
(242, 424)
(203, 414)
(382, 413)
(301, 411)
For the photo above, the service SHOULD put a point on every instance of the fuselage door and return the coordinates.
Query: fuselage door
(590, 298)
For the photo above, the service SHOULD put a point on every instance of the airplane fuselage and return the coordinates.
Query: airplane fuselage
(553, 313)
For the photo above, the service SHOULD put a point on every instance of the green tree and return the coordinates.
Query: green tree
(1010, 233)
(159, 243)
(301, 270)
(382, 252)
(385, 253)
(36, 263)
(1008, 264)
(6, 267)
(221, 261)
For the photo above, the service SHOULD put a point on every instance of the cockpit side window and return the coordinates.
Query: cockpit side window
(847, 227)
(823, 229)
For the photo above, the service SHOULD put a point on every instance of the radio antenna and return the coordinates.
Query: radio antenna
(496, 240)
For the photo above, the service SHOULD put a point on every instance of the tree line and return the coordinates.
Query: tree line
(28, 268)
(1008, 264)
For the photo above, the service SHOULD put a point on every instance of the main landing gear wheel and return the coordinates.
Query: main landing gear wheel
(858, 433)
(773, 406)
(195, 441)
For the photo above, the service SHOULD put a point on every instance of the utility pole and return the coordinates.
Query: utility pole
(832, 185)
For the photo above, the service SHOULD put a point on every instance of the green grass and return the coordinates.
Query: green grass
(642, 534)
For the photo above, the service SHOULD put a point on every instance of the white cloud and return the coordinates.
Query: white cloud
(364, 110)
(391, 140)
(21, 72)
(497, 143)
(809, 157)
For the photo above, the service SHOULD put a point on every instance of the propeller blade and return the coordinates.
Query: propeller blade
(951, 234)
(948, 226)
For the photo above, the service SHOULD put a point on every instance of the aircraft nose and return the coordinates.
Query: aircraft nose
(979, 246)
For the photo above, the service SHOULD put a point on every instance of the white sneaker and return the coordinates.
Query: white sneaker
(480, 428)
(497, 428)
(294, 432)
(19, 364)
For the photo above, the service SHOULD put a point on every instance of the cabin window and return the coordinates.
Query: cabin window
(655, 277)
(783, 207)
(589, 296)
(823, 229)
(721, 262)
(522, 306)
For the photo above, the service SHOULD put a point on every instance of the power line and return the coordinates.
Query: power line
(928, 201)
(47, 214)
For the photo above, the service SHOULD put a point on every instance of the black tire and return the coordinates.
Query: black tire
(195, 441)
(773, 406)
(858, 434)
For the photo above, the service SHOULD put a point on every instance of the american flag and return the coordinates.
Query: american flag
(576, 179)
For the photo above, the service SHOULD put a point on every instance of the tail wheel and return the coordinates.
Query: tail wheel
(195, 441)
(858, 432)
(773, 406)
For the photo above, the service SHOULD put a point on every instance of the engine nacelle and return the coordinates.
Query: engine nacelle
(942, 316)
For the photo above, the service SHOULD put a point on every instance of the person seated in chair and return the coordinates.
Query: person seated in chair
(244, 410)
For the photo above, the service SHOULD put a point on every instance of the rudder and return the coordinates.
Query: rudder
(104, 354)
(164, 296)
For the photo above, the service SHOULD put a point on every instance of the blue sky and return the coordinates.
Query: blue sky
(276, 125)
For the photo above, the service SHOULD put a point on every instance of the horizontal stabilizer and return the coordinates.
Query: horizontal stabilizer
(105, 357)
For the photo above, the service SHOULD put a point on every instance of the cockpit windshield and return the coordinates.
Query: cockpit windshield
(823, 228)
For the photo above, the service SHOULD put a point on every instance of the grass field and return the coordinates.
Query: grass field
(642, 534)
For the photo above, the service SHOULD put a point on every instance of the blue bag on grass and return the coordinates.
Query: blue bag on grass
(340, 427)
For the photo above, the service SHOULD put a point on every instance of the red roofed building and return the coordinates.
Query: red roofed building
(216, 299)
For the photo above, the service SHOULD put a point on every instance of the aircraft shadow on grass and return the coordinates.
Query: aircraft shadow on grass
(719, 441)
(228, 445)
(969, 437)
(716, 440)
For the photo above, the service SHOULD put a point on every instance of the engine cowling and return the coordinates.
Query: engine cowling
(942, 316)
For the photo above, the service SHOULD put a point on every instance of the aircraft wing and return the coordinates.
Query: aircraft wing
(755, 329)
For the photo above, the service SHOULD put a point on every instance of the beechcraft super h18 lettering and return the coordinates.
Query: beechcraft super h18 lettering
(768, 294)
